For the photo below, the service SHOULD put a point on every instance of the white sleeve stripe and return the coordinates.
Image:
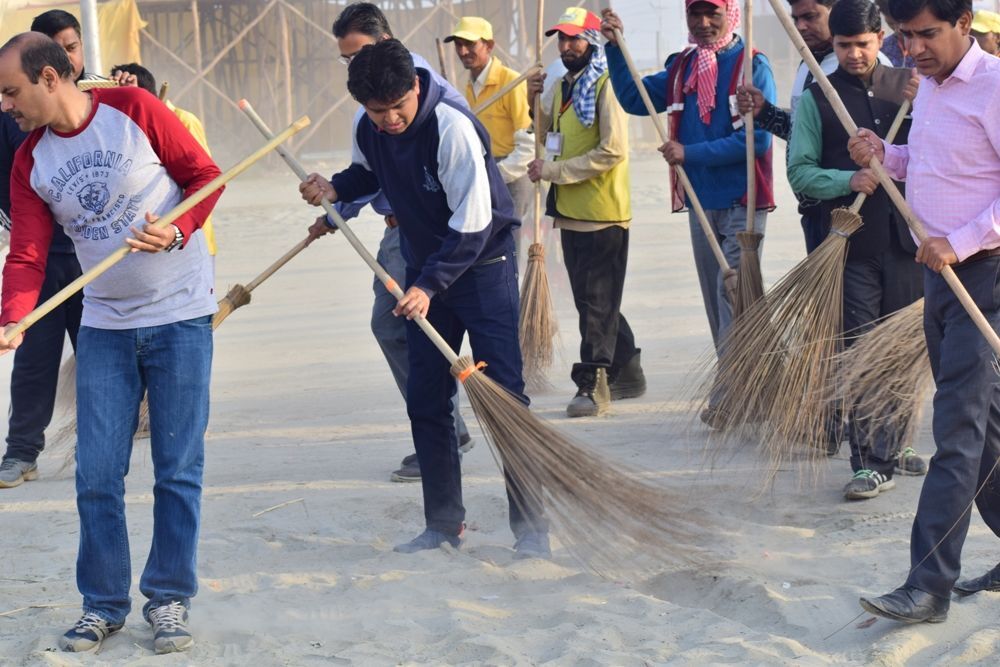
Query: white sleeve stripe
(462, 171)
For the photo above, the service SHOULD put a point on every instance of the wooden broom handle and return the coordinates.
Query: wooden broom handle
(536, 105)
(681, 174)
(948, 273)
(497, 96)
(167, 219)
(280, 262)
(390, 284)
(748, 120)
(897, 123)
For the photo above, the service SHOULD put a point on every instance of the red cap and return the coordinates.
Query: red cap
(718, 3)
(574, 21)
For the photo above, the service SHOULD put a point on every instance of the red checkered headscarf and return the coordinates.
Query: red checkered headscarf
(705, 73)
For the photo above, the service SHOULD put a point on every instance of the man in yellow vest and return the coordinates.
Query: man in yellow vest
(506, 120)
(587, 149)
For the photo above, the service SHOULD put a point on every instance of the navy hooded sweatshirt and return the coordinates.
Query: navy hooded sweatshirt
(443, 184)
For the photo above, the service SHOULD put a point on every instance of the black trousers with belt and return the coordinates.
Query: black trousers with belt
(36, 362)
(966, 427)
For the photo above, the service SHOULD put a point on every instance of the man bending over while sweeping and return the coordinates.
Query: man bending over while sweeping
(709, 140)
(951, 164)
(432, 160)
(94, 164)
(587, 145)
(880, 276)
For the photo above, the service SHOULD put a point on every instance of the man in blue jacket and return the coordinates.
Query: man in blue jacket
(432, 161)
(708, 139)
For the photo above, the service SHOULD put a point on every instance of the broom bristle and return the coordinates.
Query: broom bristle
(778, 357)
(63, 440)
(749, 281)
(237, 297)
(537, 327)
(886, 376)
(604, 514)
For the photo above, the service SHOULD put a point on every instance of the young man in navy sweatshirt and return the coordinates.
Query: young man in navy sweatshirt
(432, 160)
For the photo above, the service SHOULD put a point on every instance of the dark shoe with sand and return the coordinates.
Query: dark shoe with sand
(532, 544)
(988, 582)
(14, 473)
(867, 484)
(628, 381)
(911, 463)
(714, 418)
(409, 467)
(429, 539)
(907, 604)
(88, 634)
(593, 396)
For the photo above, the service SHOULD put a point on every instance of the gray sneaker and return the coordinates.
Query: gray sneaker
(170, 631)
(910, 463)
(14, 473)
(867, 484)
(88, 633)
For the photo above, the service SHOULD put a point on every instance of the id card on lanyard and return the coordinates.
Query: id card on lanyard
(554, 140)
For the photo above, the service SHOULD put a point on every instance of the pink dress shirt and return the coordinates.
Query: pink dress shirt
(951, 164)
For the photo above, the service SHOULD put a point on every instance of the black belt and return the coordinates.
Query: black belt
(982, 254)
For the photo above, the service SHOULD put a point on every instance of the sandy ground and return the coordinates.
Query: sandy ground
(304, 411)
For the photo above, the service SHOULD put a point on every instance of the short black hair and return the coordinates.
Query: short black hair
(143, 76)
(825, 3)
(381, 72)
(944, 10)
(38, 51)
(854, 17)
(363, 17)
(54, 22)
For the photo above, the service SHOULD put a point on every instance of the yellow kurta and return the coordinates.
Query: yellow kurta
(197, 130)
(506, 115)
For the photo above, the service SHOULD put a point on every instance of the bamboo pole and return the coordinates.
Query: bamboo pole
(175, 213)
(198, 56)
(537, 108)
(748, 120)
(948, 273)
(497, 96)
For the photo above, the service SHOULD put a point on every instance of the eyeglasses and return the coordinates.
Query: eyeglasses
(346, 60)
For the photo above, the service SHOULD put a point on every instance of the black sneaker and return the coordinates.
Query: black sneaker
(867, 484)
(409, 470)
(910, 463)
(593, 396)
(628, 381)
(429, 539)
(170, 631)
(88, 633)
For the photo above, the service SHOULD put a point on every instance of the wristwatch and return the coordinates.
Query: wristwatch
(178, 241)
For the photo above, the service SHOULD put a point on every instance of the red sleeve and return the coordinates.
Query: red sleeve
(30, 236)
(185, 160)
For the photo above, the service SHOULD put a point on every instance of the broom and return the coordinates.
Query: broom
(497, 96)
(164, 87)
(886, 375)
(168, 218)
(749, 281)
(772, 379)
(606, 515)
(728, 274)
(537, 321)
(948, 273)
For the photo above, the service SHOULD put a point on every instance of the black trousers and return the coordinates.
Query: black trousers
(966, 427)
(36, 362)
(876, 287)
(596, 263)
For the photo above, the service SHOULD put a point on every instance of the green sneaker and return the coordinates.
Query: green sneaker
(867, 484)
(911, 463)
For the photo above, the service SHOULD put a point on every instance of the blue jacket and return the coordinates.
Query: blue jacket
(714, 154)
(440, 178)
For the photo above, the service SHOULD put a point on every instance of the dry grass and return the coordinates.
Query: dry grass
(886, 375)
(603, 514)
(538, 325)
(779, 356)
(749, 281)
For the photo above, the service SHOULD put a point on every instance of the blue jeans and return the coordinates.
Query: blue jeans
(484, 302)
(389, 330)
(114, 367)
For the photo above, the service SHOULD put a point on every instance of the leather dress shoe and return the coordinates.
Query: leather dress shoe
(907, 604)
(988, 582)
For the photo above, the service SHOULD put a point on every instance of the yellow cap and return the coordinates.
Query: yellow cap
(986, 21)
(471, 29)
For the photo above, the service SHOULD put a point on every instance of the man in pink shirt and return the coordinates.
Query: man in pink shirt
(952, 170)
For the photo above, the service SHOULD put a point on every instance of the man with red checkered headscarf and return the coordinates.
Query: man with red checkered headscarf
(698, 89)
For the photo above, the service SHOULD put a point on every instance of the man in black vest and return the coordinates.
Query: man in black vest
(880, 276)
